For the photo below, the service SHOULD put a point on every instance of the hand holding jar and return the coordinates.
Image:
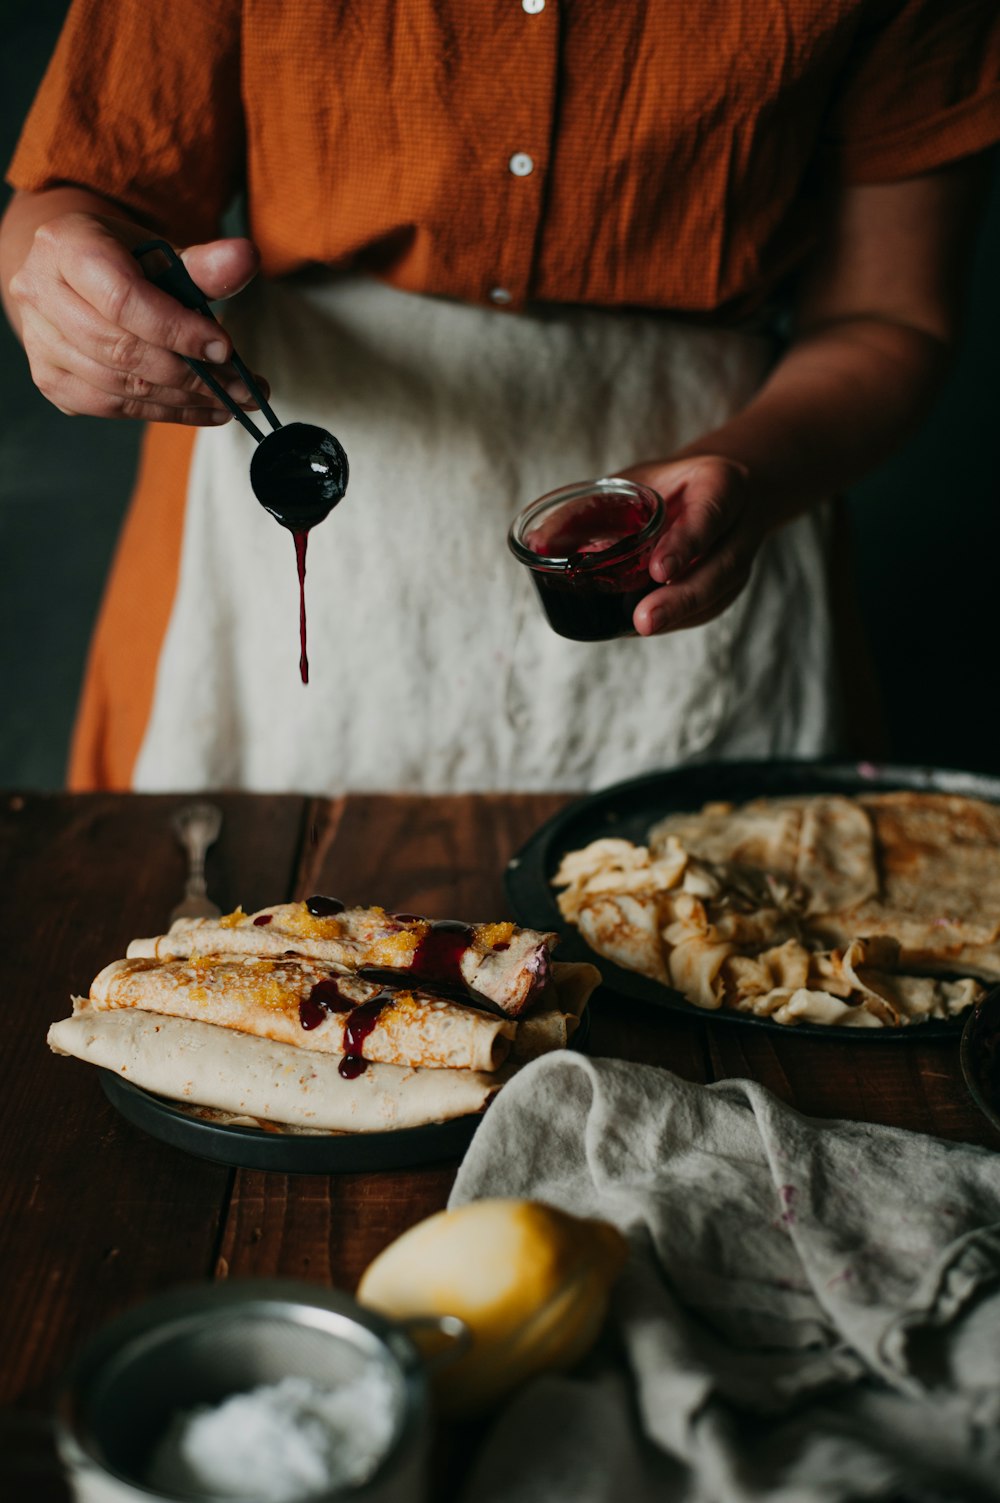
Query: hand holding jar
(664, 547)
(711, 533)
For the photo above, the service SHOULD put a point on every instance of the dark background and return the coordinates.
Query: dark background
(927, 525)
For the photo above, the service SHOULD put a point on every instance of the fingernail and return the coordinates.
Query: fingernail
(220, 416)
(658, 619)
(670, 566)
(216, 351)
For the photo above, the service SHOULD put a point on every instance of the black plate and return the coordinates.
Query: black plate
(979, 1055)
(253, 1148)
(627, 810)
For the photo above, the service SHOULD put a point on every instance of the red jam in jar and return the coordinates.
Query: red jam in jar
(588, 547)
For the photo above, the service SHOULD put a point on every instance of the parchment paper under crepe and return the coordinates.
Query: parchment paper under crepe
(263, 997)
(233, 1072)
(508, 966)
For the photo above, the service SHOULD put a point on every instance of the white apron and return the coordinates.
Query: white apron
(432, 666)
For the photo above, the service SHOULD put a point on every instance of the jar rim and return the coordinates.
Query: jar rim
(608, 485)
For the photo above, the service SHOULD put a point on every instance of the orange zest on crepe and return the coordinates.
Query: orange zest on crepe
(320, 1018)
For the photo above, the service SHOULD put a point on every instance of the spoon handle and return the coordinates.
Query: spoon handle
(197, 827)
(175, 279)
(205, 375)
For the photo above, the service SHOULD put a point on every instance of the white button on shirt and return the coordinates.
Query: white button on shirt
(533, 6)
(521, 164)
(501, 295)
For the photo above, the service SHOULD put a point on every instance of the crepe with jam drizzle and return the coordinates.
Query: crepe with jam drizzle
(303, 1002)
(493, 965)
(281, 1015)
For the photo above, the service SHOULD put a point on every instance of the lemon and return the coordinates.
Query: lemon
(530, 1282)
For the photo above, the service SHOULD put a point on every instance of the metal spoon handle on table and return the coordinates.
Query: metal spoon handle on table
(197, 827)
(175, 279)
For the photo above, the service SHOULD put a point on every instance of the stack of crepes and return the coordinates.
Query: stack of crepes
(320, 1018)
(836, 910)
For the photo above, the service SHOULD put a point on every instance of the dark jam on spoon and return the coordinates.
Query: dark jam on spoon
(298, 474)
(298, 471)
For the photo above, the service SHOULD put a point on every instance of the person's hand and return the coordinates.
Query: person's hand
(704, 555)
(102, 340)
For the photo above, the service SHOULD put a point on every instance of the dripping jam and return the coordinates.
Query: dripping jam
(357, 1028)
(299, 474)
(301, 540)
(351, 1066)
(325, 998)
(436, 963)
(437, 960)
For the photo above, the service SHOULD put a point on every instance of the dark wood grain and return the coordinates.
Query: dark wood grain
(901, 1083)
(623, 1029)
(95, 1216)
(443, 857)
(324, 1228)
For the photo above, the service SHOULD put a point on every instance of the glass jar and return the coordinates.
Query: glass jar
(588, 547)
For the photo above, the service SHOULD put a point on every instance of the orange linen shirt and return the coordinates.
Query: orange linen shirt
(663, 155)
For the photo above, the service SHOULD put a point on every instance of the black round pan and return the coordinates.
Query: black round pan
(627, 810)
(254, 1148)
(288, 1153)
(979, 1055)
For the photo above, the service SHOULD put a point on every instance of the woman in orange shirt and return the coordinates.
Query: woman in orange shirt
(553, 238)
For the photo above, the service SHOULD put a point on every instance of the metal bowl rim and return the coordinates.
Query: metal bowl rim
(199, 1304)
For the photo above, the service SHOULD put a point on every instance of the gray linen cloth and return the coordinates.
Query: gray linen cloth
(810, 1310)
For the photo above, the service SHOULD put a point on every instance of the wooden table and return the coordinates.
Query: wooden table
(95, 1216)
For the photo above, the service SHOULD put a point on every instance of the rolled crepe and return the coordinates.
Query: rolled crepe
(507, 966)
(270, 998)
(243, 1076)
(234, 1072)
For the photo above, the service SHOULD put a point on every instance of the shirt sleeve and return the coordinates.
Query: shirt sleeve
(921, 89)
(141, 103)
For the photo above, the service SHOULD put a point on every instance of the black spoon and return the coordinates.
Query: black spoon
(298, 471)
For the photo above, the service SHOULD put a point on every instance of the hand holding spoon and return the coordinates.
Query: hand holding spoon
(298, 471)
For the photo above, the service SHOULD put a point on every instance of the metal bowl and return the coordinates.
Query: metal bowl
(979, 1056)
(197, 1346)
